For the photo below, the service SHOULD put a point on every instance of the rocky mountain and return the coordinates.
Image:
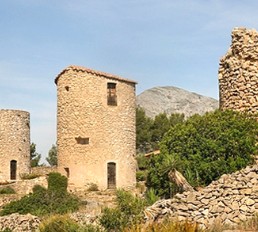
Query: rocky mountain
(171, 99)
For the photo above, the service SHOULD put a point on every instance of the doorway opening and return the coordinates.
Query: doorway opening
(13, 169)
(111, 177)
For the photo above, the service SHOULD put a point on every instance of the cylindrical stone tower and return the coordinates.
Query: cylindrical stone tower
(238, 72)
(96, 128)
(14, 144)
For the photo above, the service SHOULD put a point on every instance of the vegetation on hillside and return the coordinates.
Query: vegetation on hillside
(149, 132)
(203, 148)
(128, 213)
(43, 201)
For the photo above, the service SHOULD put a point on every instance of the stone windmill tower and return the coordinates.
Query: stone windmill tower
(96, 128)
(14, 144)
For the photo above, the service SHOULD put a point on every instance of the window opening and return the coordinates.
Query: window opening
(83, 141)
(111, 172)
(67, 172)
(111, 94)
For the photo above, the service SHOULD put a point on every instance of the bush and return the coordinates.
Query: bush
(44, 201)
(29, 176)
(142, 162)
(7, 190)
(62, 223)
(141, 175)
(38, 189)
(93, 187)
(57, 182)
(129, 212)
(203, 148)
(58, 223)
(168, 226)
(6, 230)
(151, 196)
(113, 219)
(89, 228)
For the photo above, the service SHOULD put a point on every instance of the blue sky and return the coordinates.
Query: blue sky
(157, 43)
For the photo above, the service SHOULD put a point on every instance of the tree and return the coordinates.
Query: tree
(161, 125)
(150, 132)
(205, 147)
(52, 156)
(143, 136)
(34, 156)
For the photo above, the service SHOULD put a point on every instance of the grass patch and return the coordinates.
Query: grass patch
(93, 187)
(29, 176)
(7, 190)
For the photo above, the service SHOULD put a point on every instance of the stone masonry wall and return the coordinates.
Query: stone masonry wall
(238, 72)
(83, 112)
(43, 170)
(231, 199)
(14, 142)
(19, 223)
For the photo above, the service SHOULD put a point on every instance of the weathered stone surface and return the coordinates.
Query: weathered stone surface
(212, 204)
(96, 136)
(238, 77)
(14, 144)
(19, 223)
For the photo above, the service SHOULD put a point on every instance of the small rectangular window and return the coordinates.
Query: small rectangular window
(111, 94)
(82, 140)
(67, 172)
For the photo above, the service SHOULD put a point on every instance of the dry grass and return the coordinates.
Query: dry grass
(167, 227)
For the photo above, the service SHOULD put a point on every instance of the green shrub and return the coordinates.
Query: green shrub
(89, 228)
(57, 182)
(29, 176)
(7, 190)
(203, 148)
(151, 196)
(142, 161)
(58, 223)
(129, 212)
(169, 226)
(141, 175)
(44, 201)
(39, 189)
(93, 187)
(113, 219)
(6, 230)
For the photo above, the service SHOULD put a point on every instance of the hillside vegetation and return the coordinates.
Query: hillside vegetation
(202, 148)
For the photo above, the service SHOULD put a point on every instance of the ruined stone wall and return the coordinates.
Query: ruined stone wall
(230, 200)
(238, 72)
(14, 143)
(19, 223)
(83, 113)
(43, 170)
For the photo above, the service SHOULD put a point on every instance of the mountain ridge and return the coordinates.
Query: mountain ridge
(171, 99)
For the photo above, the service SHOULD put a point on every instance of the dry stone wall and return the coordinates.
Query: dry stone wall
(238, 72)
(43, 170)
(19, 223)
(25, 186)
(231, 199)
(14, 144)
